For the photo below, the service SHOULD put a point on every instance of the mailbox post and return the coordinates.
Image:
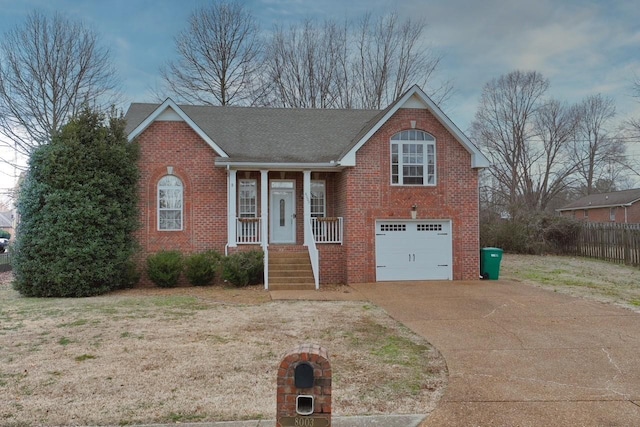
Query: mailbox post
(304, 388)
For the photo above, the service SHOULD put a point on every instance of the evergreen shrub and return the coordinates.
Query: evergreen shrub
(243, 268)
(78, 211)
(201, 268)
(164, 268)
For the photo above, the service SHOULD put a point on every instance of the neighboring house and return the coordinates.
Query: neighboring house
(7, 222)
(621, 207)
(343, 186)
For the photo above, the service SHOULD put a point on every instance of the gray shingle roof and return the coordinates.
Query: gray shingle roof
(615, 198)
(272, 134)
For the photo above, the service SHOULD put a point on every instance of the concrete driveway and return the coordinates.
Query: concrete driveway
(522, 356)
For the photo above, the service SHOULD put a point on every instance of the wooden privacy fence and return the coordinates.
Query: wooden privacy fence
(610, 242)
(5, 262)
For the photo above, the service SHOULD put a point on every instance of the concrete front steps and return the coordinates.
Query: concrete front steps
(290, 271)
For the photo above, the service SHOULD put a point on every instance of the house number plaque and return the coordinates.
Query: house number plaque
(304, 421)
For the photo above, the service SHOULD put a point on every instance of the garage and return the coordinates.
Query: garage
(413, 250)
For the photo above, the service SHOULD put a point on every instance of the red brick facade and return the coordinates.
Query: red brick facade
(618, 215)
(367, 195)
(360, 194)
(176, 145)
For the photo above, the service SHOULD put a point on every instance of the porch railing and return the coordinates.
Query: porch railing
(314, 256)
(248, 231)
(327, 229)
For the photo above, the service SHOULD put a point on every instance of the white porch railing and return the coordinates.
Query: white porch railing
(327, 230)
(248, 231)
(314, 256)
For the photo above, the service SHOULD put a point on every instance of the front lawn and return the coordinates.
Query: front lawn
(197, 354)
(585, 277)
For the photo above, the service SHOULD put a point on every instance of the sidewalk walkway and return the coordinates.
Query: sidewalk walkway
(372, 421)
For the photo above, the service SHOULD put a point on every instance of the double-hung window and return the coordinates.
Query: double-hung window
(249, 227)
(413, 158)
(318, 199)
(247, 198)
(170, 195)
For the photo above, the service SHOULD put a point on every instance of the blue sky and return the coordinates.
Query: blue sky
(583, 47)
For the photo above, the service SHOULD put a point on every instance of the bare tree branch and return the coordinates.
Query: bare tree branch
(333, 66)
(598, 151)
(219, 56)
(49, 68)
(504, 125)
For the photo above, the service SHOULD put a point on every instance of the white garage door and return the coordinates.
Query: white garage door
(413, 250)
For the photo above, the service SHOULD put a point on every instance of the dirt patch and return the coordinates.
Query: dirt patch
(583, 277)
(197, 354)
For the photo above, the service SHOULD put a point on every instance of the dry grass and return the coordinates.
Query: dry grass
(197, 354)
(584, 277)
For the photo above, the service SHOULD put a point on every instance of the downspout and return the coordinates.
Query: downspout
(226, 246)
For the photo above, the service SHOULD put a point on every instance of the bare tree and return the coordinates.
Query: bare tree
(634, 123)
(600, 155)
(219, 57)
(333, 66)
(390, 57)
(50, 67)
(551, 164)
(503, 125)
(304, 64)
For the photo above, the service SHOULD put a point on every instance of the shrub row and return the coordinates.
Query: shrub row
(535, 234)
(240, 269)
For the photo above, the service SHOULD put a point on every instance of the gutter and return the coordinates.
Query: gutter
(620, 205)
(283, 166)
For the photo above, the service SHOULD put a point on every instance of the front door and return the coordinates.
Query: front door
(283, 212)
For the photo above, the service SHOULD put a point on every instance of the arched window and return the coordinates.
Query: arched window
(413, 158)
(170, 204)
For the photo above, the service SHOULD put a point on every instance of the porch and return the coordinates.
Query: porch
(323, 229)
(281, 210)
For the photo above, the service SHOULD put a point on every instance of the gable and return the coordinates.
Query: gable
(167, 111)
(414, 98)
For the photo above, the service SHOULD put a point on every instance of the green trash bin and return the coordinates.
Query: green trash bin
(490, 263)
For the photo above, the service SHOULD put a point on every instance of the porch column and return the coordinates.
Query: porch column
(306, 200)
(231, 208)
(264, 207)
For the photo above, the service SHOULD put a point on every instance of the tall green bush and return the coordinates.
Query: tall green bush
(78, 210)
(243, 268)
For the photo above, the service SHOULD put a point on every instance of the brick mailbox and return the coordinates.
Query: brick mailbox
(304, 388)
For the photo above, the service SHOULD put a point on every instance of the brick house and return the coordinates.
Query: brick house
(622, 207)
(357, 195)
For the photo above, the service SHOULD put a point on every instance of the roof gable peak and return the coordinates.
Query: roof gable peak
(170, 111)
(415, 97)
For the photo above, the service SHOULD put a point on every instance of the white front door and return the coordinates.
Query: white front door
(283, 212)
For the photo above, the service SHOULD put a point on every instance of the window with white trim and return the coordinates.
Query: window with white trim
(170, 195)
(318, 199)
(247, 198)
(612, 214)
(413, 158)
